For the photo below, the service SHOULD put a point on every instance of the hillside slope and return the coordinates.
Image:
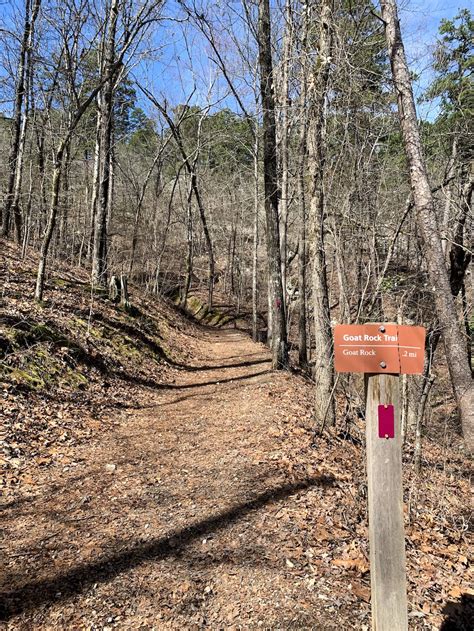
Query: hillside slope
(63, 363)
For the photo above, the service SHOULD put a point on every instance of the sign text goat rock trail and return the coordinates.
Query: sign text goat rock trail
(379, 348)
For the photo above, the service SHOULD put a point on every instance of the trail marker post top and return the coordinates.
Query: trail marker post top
(379, 348)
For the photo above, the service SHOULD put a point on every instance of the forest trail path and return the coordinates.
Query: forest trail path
(173, 520)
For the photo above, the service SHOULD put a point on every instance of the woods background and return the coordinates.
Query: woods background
(253, 150)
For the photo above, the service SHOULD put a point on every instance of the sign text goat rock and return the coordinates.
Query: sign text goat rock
(379, 348)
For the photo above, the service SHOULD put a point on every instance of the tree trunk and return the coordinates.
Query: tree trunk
(344, 305)
(114, 289)
(302, 251)
(459, 256)
(449, 197)
(454, 341)
(63, 222)
(324, 371)
(190, 244)
(53, 211)
(124, 297)
(419, 421)
(284, 137)
(276, 298)
(40, 141)
(255, 242)
(99, 251)
(95, 186)
(207, 236)
(27, 229)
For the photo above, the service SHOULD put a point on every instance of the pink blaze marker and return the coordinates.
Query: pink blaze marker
(386, 421)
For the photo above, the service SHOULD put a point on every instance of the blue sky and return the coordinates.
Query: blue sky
(173, 70)
(419, 21)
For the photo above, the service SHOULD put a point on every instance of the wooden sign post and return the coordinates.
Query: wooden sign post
(385, 495)
(383, 351)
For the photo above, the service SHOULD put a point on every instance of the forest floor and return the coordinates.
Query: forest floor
(204, 501)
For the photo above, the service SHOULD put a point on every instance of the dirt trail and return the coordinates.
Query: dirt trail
(173, 519)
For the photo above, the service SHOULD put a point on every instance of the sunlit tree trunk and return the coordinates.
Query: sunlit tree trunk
(323, 352)
(284, 149)
(99, 251)
(52, 216)
(302, 151)
(95, 187)
(190, 246)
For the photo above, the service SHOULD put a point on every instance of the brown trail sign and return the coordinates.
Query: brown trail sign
(379, 348)
(383, 351)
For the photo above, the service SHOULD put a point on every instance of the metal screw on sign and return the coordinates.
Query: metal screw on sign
(382, 329)
(385, 406)
(383, 365)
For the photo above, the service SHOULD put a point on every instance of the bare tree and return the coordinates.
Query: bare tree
(190, 164)
(71, 34)
(99, 250)
(454, 342)
(272, 194)
(115, 49)
(255, 240)
(284, 143)
(302, 151)
(318, 88)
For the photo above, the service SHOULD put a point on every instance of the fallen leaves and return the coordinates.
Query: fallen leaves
(361, 591)
(360, 564)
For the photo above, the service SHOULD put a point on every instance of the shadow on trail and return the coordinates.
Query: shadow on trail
(260, 353)
(255, 362)
(150, 383)
(200, 395)
(459, 615)
(76, 580)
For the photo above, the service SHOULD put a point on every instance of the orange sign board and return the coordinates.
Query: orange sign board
(378, 348)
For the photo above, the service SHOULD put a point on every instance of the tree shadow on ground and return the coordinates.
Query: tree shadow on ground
(234, 383)
(260, 353)
(151, 383)
(140, 337)
(459, 615)
(77, 579)
(243, 364)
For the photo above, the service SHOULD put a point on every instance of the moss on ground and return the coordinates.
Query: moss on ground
(200, 311)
